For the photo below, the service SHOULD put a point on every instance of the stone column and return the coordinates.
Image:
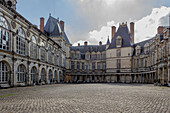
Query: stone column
(168, 74)
(163, 75)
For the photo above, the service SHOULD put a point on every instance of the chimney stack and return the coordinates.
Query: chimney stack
(78, 44)
(62, 24)
(100, 43)
(160, 30)
(42, 24)
(113, 31)
(132, 31)
(85, 43)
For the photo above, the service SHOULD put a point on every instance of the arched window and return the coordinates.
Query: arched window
(21, 74)
(55, 57)
(50, 56)
(43, 52)
(33, 74)
(43, 74)
(33, 47)
(4, 34)
(20, 42)
(3, 72)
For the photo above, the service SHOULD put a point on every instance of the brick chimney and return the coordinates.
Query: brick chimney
(62, 24)
(160, 30)
(85, 43)
(113, 31)
(78, 44)
(100, 43)
(42, 24)
(132, 31)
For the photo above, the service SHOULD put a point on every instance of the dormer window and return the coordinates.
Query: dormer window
(138, 50)
(119, 41)
(146, 48)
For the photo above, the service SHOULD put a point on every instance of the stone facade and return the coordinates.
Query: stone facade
(28, 56)
(124, 60)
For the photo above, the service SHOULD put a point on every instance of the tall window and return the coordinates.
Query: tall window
(72, 55)
(104, 56)
(50, 56)
(78, 55)
(4, 34)
(93, 56)
(43, 74)
(78, 65)
(33, 48)
(118, 53)
(104, 65)
(118, 63)
(33, 74)
(87, 56)
(3, 72)
(87, 67)
(82, 65)
(72, 65)
(21, 74)
(98, 56)
(153, 59)
(55, 57)
(43, 52)
(137, 63)
(60, 59)
(142, 63)
(93, 66)
(20, 42)
(98, 65)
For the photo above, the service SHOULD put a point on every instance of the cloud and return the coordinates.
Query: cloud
(147, 26)
(144, 28)
(97, 14)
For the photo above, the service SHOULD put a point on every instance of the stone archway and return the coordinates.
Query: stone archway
(34, 75)
(43, 78)
(50, 76)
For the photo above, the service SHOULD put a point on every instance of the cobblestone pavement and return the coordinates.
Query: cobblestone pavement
(86, 98)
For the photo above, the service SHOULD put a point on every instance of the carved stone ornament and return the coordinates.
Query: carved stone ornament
(28, 34)
(13, 24)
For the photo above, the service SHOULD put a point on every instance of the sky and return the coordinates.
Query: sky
(91, 20)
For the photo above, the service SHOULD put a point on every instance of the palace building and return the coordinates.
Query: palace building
(32, 56)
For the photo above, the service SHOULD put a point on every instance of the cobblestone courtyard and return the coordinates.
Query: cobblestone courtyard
(86, 98)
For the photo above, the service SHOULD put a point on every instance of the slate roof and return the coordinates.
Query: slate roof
(141, 44)
(53, 28)
(122, 31)
(89, 48)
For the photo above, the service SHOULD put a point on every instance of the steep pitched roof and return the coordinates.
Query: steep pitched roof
(122, 31)
(53, 28)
